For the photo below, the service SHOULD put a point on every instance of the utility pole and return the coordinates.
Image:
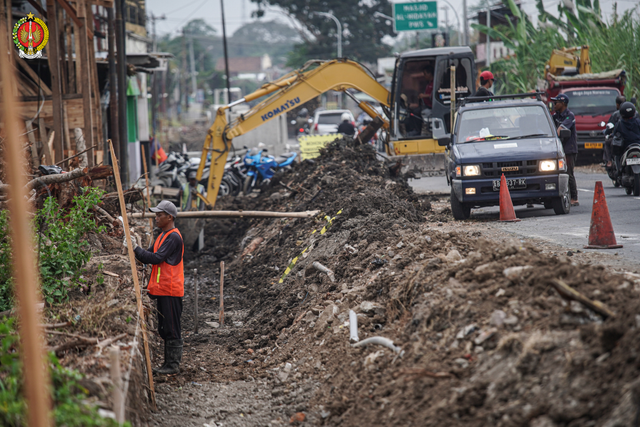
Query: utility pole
(226, 55)
(122, 93)
(194, 87)
(488, 61)
(465, 23)
(446, 26)
(154, 87)
(184, 96)
(114, 129)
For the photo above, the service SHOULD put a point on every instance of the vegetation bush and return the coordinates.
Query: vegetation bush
(69, 408)
(62, 248)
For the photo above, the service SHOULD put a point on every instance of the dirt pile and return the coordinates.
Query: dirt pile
(483, 337)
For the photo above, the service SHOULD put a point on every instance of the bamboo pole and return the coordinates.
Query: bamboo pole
(235, 214)
(221, 316)
(195, 286)
(146, 178)
(134, 273)
(116, 379)
(36, 382)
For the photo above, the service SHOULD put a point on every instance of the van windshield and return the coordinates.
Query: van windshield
(490, 124)
(592, 102)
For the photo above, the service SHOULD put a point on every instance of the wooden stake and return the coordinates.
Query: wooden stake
(36, 382)
(134, 273)
(116, 379)
(221, 317)
(195, 285)
(146, 178)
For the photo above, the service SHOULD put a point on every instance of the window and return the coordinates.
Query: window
(592, 102)
(489, 124)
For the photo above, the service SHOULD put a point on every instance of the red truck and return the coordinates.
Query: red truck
(592, 99)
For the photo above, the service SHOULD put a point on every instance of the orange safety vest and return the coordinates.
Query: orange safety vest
(167, 279)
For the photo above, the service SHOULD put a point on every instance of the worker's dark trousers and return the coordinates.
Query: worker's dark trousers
(169, 313)
(573, 187)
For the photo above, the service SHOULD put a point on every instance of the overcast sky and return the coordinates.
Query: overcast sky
(238, 12)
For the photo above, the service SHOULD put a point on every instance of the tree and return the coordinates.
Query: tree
(259, 38)
(362, 33)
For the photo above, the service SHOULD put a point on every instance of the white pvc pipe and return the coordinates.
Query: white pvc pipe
(386, 342)
(353, 326)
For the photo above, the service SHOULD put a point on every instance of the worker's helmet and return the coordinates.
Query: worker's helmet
(621, 99)
(345, 117)
(191, 175)
(486, 76)
(627, 110)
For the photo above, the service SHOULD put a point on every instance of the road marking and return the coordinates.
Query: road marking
(637, 198)
(586, 191)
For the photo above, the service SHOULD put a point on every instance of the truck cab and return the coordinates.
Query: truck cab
(592, 99)
(421, 92)
(514, 137)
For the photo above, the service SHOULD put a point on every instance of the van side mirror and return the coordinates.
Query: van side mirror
(565, 133)
(444, 141)
(439, 132)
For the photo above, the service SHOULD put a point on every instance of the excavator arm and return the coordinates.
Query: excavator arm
(565, 61)
(288, 92)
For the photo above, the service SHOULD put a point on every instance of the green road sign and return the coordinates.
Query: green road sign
(415, 16)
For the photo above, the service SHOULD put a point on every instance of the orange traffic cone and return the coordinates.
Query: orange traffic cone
(601, 232)
(507, 214)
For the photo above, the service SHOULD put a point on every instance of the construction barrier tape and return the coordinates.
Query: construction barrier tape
(322, 231)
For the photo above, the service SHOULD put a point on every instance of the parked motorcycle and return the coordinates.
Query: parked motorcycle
(171, 172)
(261, 168)
(232, 179)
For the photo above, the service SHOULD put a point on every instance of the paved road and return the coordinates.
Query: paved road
(568, 230)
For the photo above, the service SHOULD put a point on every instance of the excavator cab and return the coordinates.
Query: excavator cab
(421, 92)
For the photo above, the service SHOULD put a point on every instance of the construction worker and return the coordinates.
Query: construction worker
(565, 119)
(187, 194)
(486, 82)
(166, 284)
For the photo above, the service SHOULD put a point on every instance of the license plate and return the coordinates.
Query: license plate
(593, 145)
(512, 184)
(634, 161)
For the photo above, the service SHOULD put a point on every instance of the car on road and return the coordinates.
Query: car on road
(512, 135)
(327, 121)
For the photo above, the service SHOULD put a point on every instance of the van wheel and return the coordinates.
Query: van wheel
(460, 210)
(561, 205)
(548, 204)
(636, 185)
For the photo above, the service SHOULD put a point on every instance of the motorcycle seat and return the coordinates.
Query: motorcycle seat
(284, 157)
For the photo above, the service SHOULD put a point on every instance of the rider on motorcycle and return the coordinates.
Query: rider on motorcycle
(628, 127)
(615, 117)
(346, 127)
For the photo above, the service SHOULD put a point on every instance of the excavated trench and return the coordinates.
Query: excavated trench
(484, 337)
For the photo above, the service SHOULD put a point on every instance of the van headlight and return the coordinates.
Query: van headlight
(548, 165)
(471, 170)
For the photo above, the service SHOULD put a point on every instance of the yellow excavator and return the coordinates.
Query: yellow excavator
(565, 62)
(420, 97)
